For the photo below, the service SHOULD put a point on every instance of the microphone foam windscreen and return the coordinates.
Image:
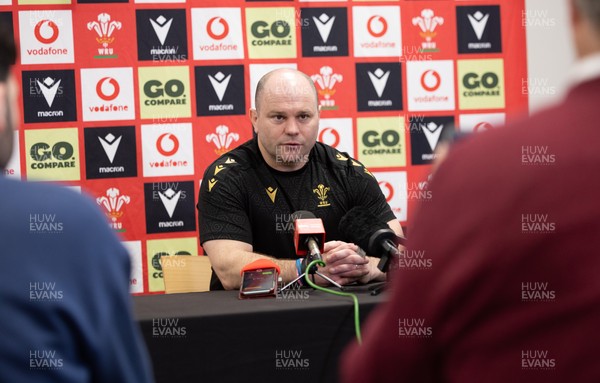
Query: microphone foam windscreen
(358, 225)
(303, 214)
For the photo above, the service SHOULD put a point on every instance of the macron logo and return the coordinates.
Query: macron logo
(169, 199)
(110, 144)
(479, 22)
(324, 24)
(432, 133)
(49, 88)
(379, 80)
(219, 84)
(161, 27)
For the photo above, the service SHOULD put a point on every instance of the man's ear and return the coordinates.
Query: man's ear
(253, 118)
(6, 130)
(574, 12)
(3, 106)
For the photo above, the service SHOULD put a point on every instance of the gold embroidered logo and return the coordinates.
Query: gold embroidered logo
(368, 172)
(212, 183)
(230, 160)
(354, 163)
(271, 193)
(218, 168)
(340, 157)
(321, 192)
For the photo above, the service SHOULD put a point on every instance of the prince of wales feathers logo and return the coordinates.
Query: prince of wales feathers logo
(326, 81)
(321, 192)
(428, 22)
(113, 202)
(104, 28)
(222, 139)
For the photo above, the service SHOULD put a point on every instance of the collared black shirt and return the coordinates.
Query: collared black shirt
(244, 199)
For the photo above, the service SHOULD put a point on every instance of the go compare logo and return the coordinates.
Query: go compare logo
(271, 32)
(52, 154)
(164, 92)
(381, 142)
(481, 84)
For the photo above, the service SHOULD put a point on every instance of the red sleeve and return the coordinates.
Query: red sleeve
(497, 302)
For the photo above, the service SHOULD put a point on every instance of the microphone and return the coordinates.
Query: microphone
(309, 234)
(309, 241)
(363, 228)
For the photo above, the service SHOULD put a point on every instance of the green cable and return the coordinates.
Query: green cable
(354, 298)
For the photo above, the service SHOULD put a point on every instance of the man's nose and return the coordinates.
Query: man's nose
(291, 128)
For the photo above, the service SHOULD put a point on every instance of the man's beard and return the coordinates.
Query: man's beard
(6, 139)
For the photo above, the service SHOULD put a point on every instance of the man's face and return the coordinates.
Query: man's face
(286, 121)
(8, 118)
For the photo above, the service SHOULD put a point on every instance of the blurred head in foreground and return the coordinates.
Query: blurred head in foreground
(509, 291)
(66, 306)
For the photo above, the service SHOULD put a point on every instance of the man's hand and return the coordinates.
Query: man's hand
(344, 264)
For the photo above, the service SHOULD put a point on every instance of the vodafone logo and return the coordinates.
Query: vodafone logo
(46, 31)
(217, 28)
(107, 98)
(387, 190)
(431, 80)
(330, 137)
(46, 36)
(101, 87)
(377, 26)
(383, 35)
(430, 85)
(166, 149)
(482, 126)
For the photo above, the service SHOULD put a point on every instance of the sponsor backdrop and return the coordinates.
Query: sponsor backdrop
(129, 101)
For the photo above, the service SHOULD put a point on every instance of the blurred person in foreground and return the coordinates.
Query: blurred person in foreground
(513, 234)
(248, 195)
(64, 293)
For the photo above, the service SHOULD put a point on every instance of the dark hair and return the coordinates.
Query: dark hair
(8, 51)
(591, 10)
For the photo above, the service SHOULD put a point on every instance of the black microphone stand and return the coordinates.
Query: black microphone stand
(384, 263)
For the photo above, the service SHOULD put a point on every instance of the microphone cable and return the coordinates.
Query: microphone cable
(340, 293)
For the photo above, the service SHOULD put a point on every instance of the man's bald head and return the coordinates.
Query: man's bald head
(281, 81)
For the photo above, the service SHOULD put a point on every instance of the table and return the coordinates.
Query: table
(215, 337)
